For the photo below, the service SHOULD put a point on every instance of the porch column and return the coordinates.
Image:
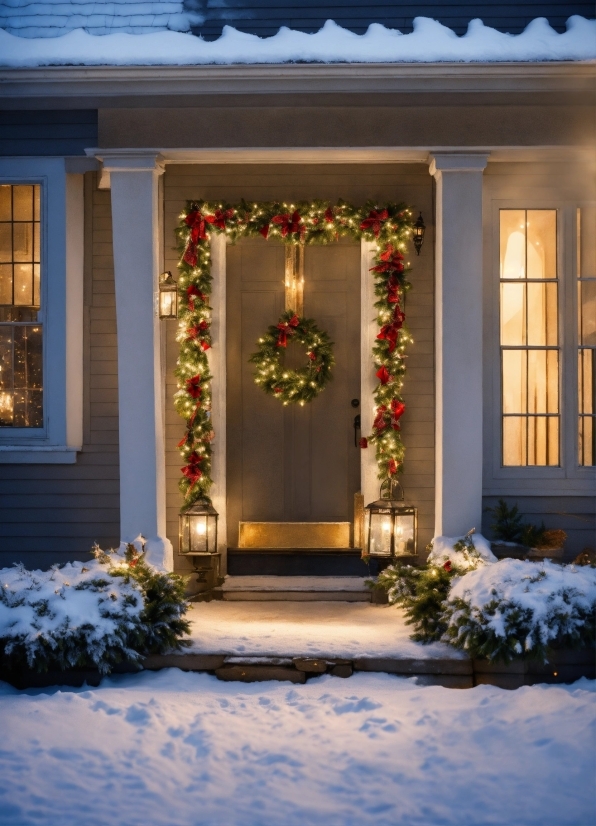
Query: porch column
(458, 341)
(135, 231)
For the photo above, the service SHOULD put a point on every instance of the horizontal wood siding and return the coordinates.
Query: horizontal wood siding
(356, 184)
(54, 513)
(47, 132)
(576, 515)
(264, 18)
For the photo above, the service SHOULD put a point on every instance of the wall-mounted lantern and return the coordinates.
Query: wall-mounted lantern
(419, 228)
(198, 529)
(168, 296)
(392, 525)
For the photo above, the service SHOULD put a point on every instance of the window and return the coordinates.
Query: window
(21, 393)
(586, 325)
(529, 337)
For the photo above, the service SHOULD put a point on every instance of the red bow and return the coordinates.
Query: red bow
(192, 470)
(219, 219)
(383, 375)
(389, 332)
(392, 467)
(391, 260)
(193, 292)
(286, 329)
(193, 387)
(397, 411)
(329, 216)
(374, 221)
(264, 231)
(196, 330)
(196, 221)
(393, 290)
(379, 422)
(289, 223)
(363, 442)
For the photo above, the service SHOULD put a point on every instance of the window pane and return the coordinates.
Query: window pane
(36, 285)
(514, 381)
(514, 441)
(543, 381)
(542, 243)
(36, 202)
(513, 314)
(587, 441)
(587, 312)
(22, 242)
(22, 203)
(513, 243)
(5, 283)
(542, 314)
(5, 203)
(586, 246)
(6, 242)
(23, 284)
(586, 381)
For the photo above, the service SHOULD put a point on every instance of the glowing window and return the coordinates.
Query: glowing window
(530, 358)
(586, 325)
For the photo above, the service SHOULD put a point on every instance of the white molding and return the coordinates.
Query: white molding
(217, 365)
(37, 455)
(152, 81)
(369, 482)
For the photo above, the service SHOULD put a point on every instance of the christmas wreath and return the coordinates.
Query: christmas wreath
(293, 386)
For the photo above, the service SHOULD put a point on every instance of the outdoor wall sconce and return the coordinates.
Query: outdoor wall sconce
(198, 529)
(392, 526)
(168, 296)
(419, 228)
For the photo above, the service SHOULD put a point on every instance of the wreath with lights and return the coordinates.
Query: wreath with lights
(307, 222)
(293, 386)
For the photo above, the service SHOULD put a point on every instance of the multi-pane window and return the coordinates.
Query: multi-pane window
(529, 334)
(586, 324)
(21, 394)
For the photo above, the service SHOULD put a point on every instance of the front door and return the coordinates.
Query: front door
(291, 464)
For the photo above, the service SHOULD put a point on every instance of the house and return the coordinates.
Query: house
(114, 119)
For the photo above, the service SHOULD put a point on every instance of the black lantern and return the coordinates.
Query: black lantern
(198, 529)
(419, 228)
(392, 526)
(168, 296)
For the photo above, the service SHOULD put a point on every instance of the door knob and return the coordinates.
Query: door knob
(355, 402)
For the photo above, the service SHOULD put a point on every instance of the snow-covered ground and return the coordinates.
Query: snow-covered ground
(307, 629)
(186, 750)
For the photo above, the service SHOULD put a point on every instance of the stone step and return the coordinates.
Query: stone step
(294, 589)
(288, 562)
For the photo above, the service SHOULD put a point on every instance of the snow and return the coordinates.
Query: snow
(429, 42)
(559, 597)
(307, 629)
(175, 749)
(294, 583)
(40, 609)
(444, 549)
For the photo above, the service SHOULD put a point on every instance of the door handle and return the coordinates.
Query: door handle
(356, 429)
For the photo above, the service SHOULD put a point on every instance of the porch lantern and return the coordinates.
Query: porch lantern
(168, 296)
(419, 228)
(198, 529)
(392, 525)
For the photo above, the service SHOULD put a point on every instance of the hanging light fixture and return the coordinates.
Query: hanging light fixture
(419, 228)
(168, 296)
(392, 525)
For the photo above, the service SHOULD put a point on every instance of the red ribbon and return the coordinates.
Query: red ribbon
(220, 217)
(375, 220)
(389, 332)
(391, 260)
(196, 221)
(383, 375)
(286, 330)
(264, 231)
(379, 422)
(193, 292)
(397, 411)
(290, 224)
(192, 470)
(193, 387)
(329, 216)
(392, 467)
(363, 442)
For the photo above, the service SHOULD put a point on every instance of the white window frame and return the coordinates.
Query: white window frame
(569, 477)
(62, 255)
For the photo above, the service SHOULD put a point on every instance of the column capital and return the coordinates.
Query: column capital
(457, 162)
(125, 160)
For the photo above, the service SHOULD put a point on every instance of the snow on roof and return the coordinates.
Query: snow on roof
(52, 18)
(429, 42)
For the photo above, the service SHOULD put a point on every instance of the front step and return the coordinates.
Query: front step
(294, 589)
(343, 562)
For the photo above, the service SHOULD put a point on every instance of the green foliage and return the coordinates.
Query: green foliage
(531, 536)
(507, 525)
(307, 222)
(294, 386)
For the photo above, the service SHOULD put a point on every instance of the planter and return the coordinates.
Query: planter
(512, 550)
(554, 554)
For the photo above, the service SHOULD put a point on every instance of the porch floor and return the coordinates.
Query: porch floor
(349, 630)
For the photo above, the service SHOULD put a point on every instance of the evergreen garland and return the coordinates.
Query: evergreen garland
(293, 386)
(389, 226)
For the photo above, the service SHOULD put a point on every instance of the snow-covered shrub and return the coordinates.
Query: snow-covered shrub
(517, 608)
(422, 591)
(94, 614)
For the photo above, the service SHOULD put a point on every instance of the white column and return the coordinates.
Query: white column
(458, 341)
(217, 364)
(369, 482)
(135, 230)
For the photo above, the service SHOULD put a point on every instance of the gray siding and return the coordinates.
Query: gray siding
(51, 132)
(264, 18)
(54, 513)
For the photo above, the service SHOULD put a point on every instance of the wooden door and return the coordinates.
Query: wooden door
(291, 464)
